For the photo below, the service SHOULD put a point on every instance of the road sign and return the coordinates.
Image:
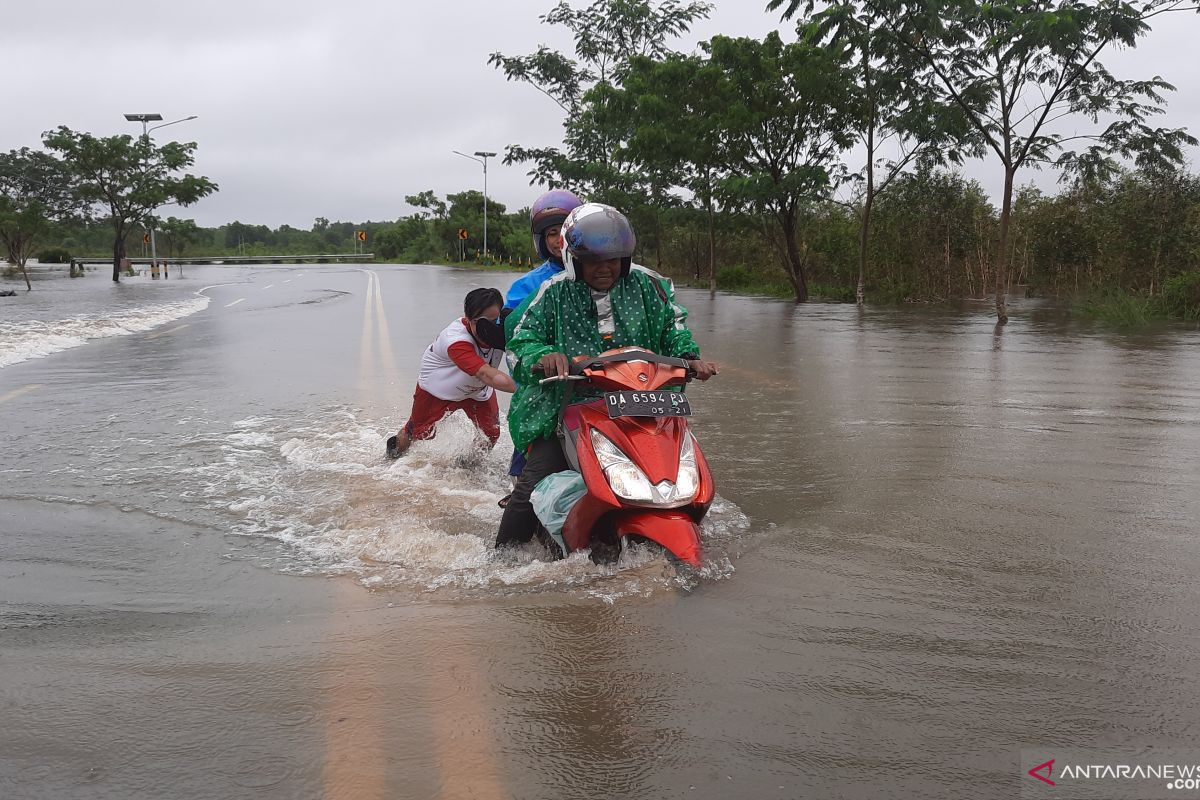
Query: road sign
(362, 235)
(462, 233)
(145, 238)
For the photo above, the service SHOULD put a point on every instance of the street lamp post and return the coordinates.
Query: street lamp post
(144, 118)
(483, 160)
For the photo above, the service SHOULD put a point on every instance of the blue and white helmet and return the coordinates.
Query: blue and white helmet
(596, 232)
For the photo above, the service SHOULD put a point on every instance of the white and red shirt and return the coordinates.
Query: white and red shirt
(448, 366)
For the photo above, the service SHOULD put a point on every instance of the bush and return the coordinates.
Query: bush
(1119, 309)
(832, 293)
(733, 278)
(54, 255)
(1181, 295)
(889, 291)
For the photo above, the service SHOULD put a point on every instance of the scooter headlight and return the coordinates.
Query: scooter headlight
(623, 476)
(687, 482)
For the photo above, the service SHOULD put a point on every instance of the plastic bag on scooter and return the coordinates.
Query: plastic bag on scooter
(555, 496)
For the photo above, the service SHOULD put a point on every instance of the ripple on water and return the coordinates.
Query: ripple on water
(322, 490)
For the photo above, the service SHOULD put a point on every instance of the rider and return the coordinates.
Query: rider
(600, 301)
(459, 371)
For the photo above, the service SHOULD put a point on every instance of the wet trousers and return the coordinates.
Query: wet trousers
(519, 523)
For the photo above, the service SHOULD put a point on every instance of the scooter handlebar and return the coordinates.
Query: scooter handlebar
(557, 378)
(577, 367)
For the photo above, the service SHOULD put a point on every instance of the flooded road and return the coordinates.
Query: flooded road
(933, 547)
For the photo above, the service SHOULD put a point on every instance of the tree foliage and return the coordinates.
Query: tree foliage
(762, 123)
(900, 122)
(607, 35)
(178, 234)
(35, 191)
(1015, 68)
(128, 178)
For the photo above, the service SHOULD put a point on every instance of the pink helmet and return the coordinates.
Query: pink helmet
(548, 210)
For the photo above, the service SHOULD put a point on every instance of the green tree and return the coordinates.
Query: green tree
(128, 177)
(179, 233)
(1016, 67)
(900, 122)
(466, 211)
(34, 192)
(607, 34)
(428, 203)
(779, 116)
(673, 136)
(933, 233)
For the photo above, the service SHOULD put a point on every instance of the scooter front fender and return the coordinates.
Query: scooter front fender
(674, 530)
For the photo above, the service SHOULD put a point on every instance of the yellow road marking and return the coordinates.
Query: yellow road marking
(387, 358)
(15, 393)
(355, 762)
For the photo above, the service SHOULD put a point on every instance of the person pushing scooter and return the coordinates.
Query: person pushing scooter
(460, 371)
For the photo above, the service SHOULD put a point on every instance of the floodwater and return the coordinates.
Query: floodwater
(934, 547)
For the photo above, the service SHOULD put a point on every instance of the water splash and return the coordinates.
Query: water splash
(322, 489)
(21, 341)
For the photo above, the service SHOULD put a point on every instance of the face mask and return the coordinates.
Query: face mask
(490, 333)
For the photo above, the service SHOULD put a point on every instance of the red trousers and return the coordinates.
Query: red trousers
(428, 410)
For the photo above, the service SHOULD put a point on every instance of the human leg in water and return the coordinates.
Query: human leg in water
(519, 522)
(516, 466)
(397, 445)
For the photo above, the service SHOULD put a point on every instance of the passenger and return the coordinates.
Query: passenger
(460, 371)
(600, 301)
(545, 222)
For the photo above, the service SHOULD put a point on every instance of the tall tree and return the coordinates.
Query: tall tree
(606, 35)
(778, 117)
(900, 122)
(1014, 68)
(34, 192)
(672, 134)
(128, 177)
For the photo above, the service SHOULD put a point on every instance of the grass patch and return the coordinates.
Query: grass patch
(1179, 300)
(1121, 310)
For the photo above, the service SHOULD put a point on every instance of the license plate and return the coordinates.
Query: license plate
(647, 404)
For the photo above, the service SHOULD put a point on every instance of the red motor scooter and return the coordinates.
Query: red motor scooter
(646, 478)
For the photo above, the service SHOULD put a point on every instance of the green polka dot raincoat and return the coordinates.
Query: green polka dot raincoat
(563, 316)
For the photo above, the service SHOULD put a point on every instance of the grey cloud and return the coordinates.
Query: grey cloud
(313, 109)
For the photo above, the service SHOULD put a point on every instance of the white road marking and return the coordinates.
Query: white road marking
(15, 393)
(268, 286)
(235, 302)
(289, 280)
(169, 330)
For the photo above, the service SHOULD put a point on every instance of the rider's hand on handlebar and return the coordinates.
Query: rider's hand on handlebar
(554, 365)
(703, 369)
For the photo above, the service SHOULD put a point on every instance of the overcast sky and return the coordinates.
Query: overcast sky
(340, 109)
